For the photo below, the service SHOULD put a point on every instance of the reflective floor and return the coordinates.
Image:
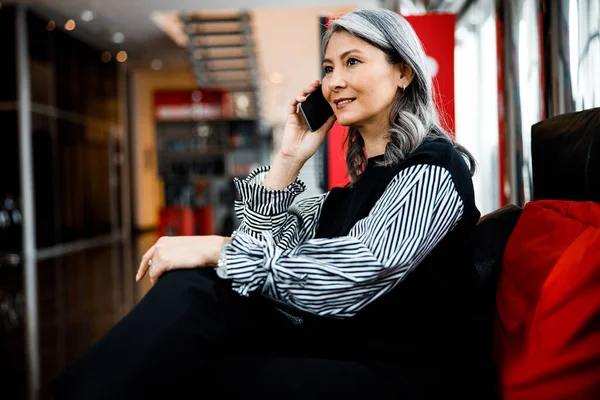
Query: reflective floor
(81, 296)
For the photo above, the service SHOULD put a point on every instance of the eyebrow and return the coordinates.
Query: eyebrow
(344, 54)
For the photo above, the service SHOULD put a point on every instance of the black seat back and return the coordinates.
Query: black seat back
(491, 235)
(565, 157)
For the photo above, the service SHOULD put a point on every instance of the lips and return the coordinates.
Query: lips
(343, 102)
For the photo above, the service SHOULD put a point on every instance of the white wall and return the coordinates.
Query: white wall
(476, 102)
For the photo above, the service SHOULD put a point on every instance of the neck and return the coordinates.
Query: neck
(374, 136)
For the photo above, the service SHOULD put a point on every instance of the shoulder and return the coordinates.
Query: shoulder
(438, 152)
(441, 154)
(429, 177)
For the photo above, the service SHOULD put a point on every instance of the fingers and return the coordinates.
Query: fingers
(299, 99)
(311, 88)
(159, 267)
(293, 109)
(144, 263)
(328, 124)
(155, 272)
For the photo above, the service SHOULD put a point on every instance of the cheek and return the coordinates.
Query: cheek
(367, 89)
(325, 89)
(376, 93)
(366, 84)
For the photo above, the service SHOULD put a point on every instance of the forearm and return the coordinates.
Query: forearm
(339, 276)
(215, 250)
(284, 170)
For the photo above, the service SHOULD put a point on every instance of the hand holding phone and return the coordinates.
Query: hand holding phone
(303, 134)
(315, 109)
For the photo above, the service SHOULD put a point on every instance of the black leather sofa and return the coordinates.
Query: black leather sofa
(566, 166)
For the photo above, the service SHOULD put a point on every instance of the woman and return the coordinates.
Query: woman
(363, 291)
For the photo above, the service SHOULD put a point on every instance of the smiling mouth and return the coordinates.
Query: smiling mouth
(341, 103)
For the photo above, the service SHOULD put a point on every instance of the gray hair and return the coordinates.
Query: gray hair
(413, 114)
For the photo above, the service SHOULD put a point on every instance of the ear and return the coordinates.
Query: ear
(404, 75)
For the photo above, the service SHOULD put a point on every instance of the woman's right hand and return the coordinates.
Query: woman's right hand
(298, 142)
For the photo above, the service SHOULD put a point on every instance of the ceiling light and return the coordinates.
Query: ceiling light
(70, 25)
(106, 56)
(243, 102)
(156, 64)
(51, 26)
(118, 37)
(87, 15)
(122, 56)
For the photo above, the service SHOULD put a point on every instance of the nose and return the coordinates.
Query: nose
(336, 81)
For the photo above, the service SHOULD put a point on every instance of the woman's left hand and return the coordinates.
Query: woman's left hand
(174, 252)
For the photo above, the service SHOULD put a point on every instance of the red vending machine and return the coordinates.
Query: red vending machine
(191, 144)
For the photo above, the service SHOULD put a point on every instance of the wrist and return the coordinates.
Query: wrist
(221, 264)
(284, 170)
(291, 163)
(217, 248)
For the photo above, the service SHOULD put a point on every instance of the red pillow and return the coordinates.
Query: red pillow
(547, 333)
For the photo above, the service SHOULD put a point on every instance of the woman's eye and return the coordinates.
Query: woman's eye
(353, 61)
(328, 69)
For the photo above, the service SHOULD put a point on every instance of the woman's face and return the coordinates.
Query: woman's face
(359, 83)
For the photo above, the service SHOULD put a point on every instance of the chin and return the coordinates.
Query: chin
(346, 120)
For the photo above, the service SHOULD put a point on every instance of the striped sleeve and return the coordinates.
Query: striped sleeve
(337, 277)
(271, 211)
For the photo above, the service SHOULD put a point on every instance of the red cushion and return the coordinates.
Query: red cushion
(547, 333)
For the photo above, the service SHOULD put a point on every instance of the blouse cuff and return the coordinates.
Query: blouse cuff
(259, 200)
(222, 262)
(252, 265)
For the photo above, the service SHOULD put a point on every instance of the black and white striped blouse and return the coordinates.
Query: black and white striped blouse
(274, 250)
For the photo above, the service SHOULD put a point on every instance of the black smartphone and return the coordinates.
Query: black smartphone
(316, 110)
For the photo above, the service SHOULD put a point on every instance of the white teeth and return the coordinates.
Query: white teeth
(345, 102)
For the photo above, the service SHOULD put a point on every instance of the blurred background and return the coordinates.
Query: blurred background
(121, 121)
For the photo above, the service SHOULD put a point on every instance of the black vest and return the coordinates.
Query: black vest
(427, 319)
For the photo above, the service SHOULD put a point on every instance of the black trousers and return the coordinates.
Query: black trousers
(191, 336)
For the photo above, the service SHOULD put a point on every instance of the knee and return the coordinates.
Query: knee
(183, 289)
(192, 280)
